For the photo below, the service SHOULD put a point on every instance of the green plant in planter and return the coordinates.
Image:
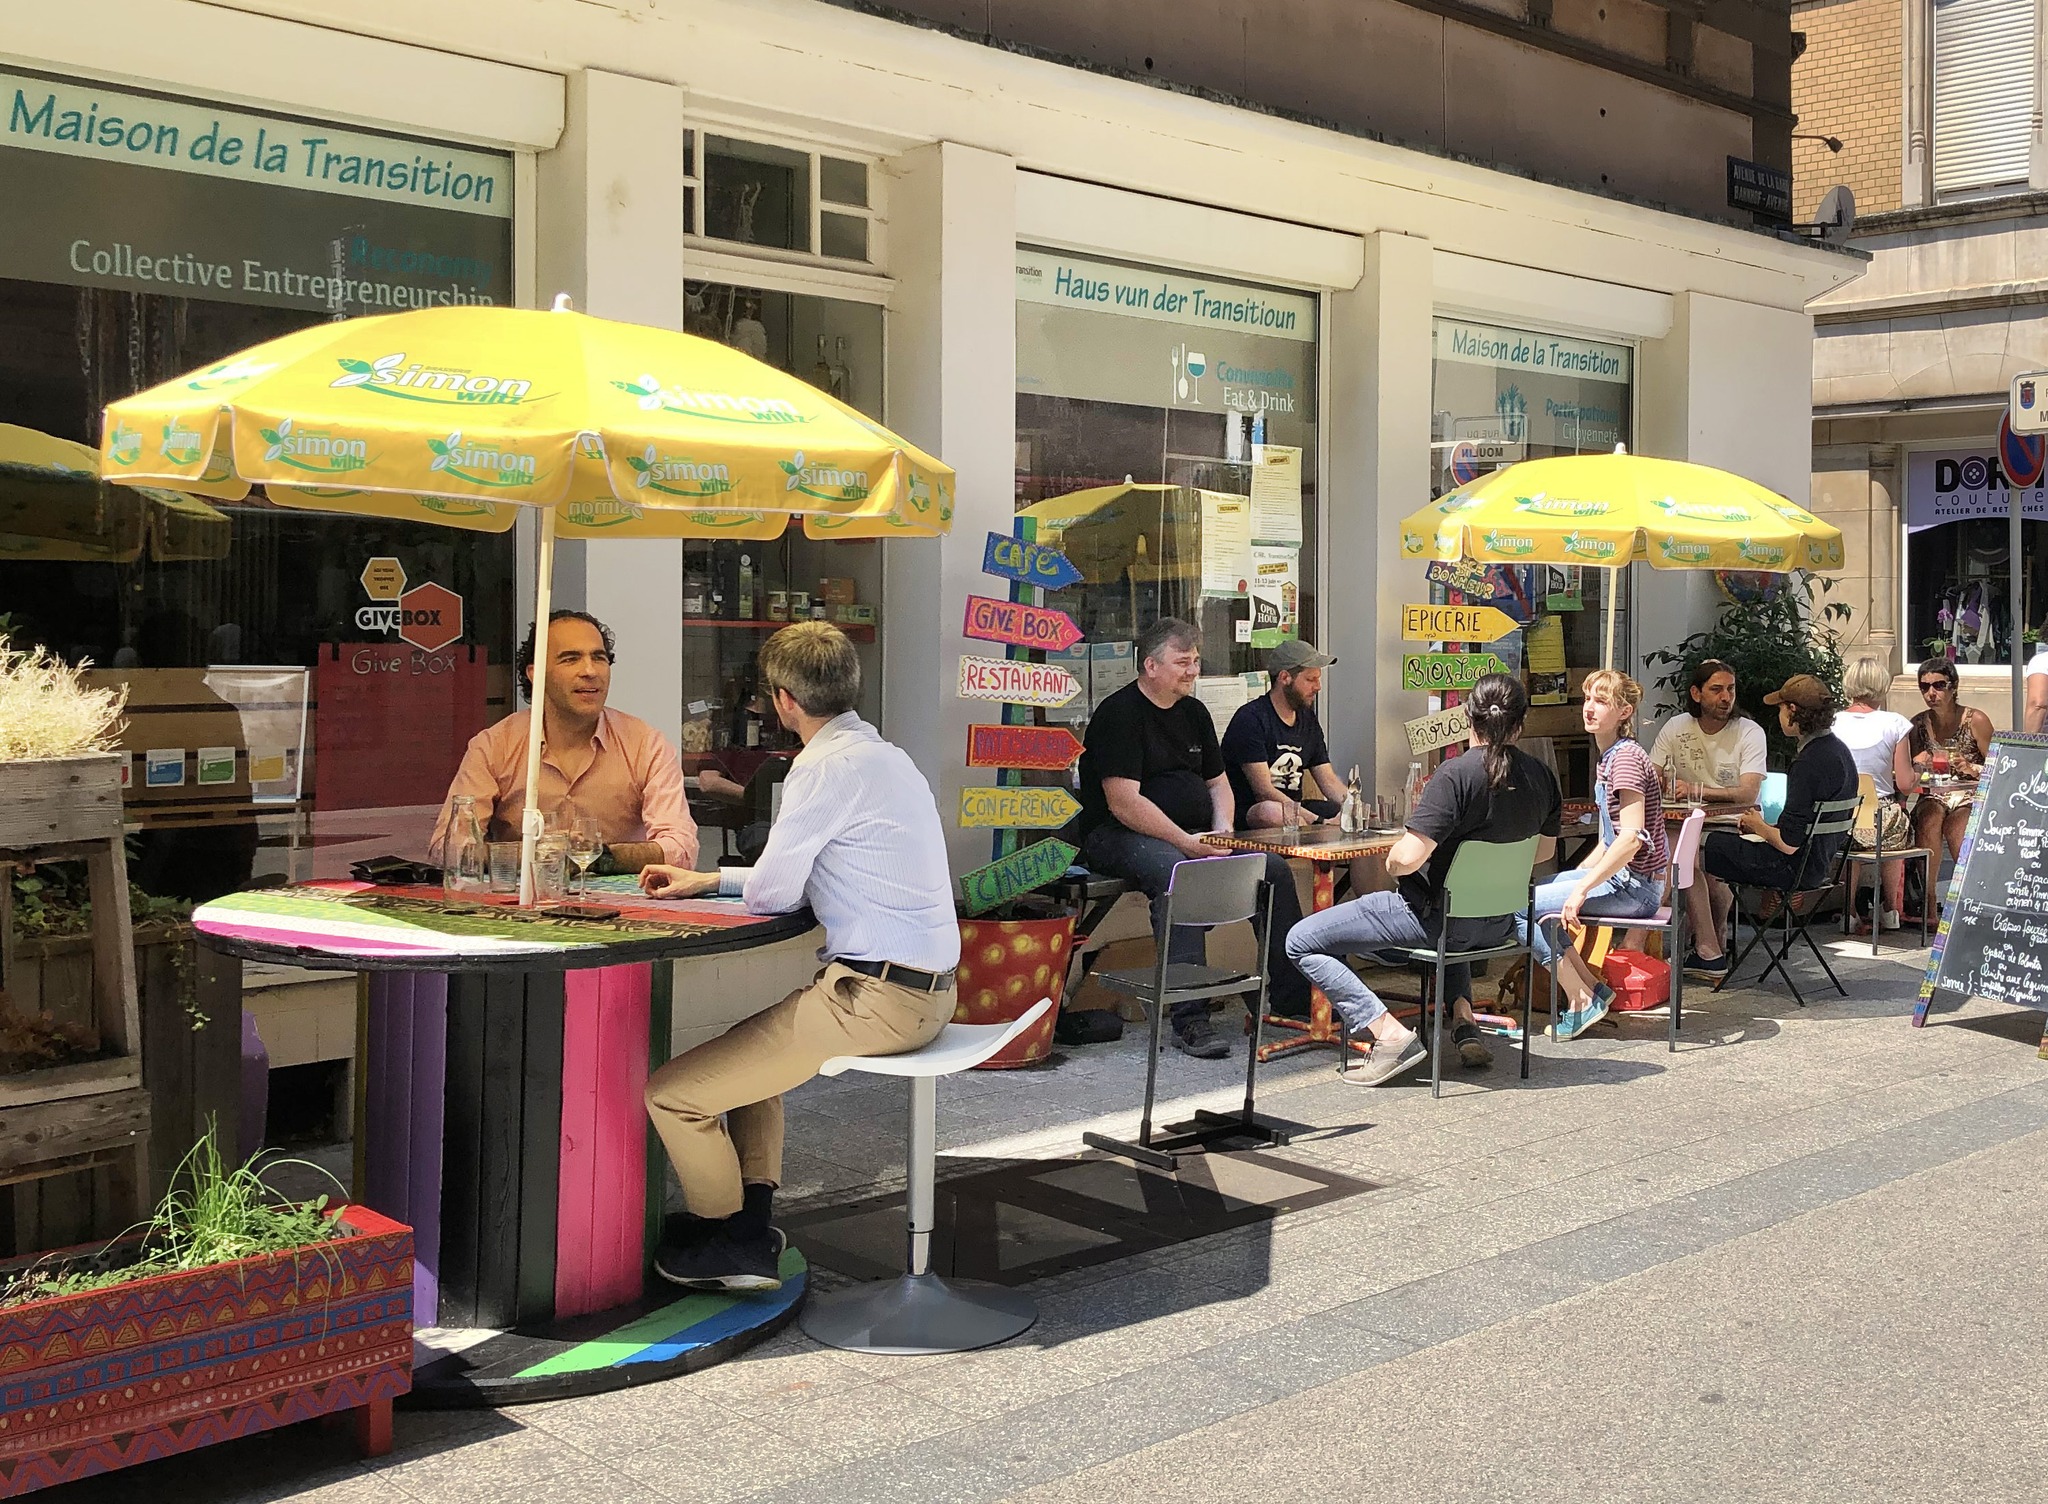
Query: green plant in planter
(1794, 631)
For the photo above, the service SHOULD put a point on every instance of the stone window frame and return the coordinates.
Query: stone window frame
(1916, 174)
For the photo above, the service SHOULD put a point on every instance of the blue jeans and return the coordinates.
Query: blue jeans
(1626, 895)
(1368, 924)
(1147, 863)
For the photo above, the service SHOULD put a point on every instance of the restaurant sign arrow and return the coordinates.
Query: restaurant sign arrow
(1028, 563)
(1051, 749)
(1016, 807)
(1436, 672)
(1455, 623)
(1019, 625)
(1018, 873)
(1015, 682)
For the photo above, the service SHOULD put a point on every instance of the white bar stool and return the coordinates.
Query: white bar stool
(921, 1312)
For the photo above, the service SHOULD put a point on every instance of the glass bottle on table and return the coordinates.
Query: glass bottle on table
(468, 857)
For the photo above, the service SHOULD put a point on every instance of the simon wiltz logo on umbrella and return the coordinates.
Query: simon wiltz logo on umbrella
(391, 376)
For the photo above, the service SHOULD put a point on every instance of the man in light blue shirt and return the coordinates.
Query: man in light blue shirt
(859, 841)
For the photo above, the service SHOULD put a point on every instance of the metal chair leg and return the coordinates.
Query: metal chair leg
(1436, 1034)
(1677, 933)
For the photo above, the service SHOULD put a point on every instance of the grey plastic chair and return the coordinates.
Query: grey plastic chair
(1202, 893)
(1832, 817)
(1487, 880)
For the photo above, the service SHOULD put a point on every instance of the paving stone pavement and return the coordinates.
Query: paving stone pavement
(1795, 1260)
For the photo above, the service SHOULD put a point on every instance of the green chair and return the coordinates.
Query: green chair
(1487, 880)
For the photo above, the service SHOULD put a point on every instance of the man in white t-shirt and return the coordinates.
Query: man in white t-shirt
(2037, 691)
(1708, 752)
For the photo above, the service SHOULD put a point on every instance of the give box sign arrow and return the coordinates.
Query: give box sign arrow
(1019, 625)
(1017, 808)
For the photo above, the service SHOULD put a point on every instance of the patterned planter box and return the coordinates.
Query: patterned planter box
(113, 1377)
(1006, 965)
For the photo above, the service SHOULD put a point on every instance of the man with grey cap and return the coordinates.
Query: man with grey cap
(1274, 753)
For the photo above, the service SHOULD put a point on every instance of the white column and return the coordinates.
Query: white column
(1376, 437)
(610, 236)
(952, 390)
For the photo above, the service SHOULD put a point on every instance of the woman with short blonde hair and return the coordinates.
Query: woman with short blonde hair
(1873, 735)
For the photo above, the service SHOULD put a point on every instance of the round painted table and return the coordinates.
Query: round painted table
(503, 1056)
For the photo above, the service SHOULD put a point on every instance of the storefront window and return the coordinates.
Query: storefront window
(735, 593)
(1958, 558)
(274, 726)
(1167, 442)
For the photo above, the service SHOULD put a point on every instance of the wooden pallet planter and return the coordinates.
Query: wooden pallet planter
(164, 1364)
(69, 809)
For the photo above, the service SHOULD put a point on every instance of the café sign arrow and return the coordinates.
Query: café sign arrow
(1019, 625)
(1014, 875)
(1050, 749)
(1028, 563)
(1435, 672)
(1015, 682)
(1017, 808)
(1455, 623)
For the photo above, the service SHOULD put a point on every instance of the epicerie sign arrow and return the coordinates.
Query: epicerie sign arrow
(1014, 682)
(1019, 625)
(1455, 624)
(1018, 873)
(1028, 563)
(1435, 672)
(1439, 730)
(1017, 808)
(1051, 749)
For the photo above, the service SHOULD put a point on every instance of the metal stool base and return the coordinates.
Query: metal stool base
(916, 1315)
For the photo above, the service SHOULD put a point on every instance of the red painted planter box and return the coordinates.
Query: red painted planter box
(113, 1377)
(1006, 965)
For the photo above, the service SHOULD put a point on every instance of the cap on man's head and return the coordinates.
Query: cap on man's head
(1802, 690)
(1294, 655)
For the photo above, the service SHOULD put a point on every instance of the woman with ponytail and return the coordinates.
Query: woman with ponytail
(1495, 792)
(1623, 876)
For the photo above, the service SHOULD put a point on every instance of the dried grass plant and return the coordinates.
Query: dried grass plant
(47, 709)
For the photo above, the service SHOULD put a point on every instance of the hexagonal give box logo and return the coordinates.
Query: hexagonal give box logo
(429, 616)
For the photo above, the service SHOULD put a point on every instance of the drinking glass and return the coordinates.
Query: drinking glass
(504, 866)
(550, 869)
(586, 845)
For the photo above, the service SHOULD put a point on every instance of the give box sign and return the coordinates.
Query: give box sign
(1019, 625)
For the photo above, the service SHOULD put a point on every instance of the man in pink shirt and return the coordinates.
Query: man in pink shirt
(609, 765)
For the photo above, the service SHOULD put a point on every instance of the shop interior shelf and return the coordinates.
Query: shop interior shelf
(855, 632)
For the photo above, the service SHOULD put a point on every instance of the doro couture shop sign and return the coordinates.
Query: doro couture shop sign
(197, 201)
(1953, 485)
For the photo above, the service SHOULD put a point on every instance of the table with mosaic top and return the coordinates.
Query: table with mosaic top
(502, 1055)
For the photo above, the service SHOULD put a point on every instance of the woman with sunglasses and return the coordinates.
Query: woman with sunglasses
(1948, 740)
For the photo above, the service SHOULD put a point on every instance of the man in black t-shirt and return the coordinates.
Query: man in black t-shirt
(1274, 753)
(1151, 780)
(1494, 792)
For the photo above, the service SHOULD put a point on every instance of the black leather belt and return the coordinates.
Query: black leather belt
(902, 976)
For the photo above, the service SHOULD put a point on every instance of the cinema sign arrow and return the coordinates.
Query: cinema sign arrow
(1014, 682)
(1019, 625)
(1017, 808)
(1016, 874)
(1050, 749)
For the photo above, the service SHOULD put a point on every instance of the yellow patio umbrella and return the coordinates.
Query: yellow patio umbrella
(1607, 510)
(458, 416)
(54, 508)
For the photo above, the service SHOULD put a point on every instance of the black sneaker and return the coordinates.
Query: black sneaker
(1088, 1026)
(1697, 965)
(1198, 1037)
(1472, 1047)
(724, 1262)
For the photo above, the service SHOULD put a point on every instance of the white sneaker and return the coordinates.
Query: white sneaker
(1891, 919)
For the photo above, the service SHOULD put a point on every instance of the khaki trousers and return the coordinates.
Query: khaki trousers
(743, 1073)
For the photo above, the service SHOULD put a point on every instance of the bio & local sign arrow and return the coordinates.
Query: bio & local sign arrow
(1017, 808)
(1019, 625)
(1015, 682)
(1020, 872)
(1455, 623)
(1435, 672)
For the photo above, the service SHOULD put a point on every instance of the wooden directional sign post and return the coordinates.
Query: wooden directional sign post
(1019, 625)
(1012, 876)
(1028, 563)
(1049, 749)
(1439, 730)
(1455, 623)
(1014, 682)
(1436, 672)
(1467, 576)
(1017, 808)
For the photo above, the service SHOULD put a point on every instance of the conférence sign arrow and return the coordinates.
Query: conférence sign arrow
(1050, 749)
(1019, 625)
(1015, 682)
(1028, 563)
(1436, 672)
(1018, 873)
(1455, 623)
(1016, 807)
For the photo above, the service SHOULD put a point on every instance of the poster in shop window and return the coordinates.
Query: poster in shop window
(1276, 493)
(1276, 595)
(1226, 543)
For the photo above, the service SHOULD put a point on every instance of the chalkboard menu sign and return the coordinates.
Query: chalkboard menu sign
(1994, 932)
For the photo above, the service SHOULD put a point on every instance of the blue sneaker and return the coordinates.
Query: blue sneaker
(1697, 965)
(1573, 1022)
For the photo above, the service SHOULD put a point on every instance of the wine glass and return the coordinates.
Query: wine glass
(586, 845)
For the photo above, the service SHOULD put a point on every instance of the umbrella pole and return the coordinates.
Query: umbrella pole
(1613, 602)
(543, 602)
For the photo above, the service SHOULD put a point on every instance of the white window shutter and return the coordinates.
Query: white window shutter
(1983, 91)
